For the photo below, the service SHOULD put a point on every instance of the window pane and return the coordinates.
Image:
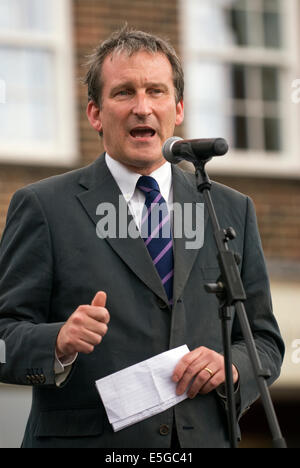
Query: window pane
(30, 15)
(237, 4)
(272, 30)
(239, 82)
(270, 83)
(256, 133)
(239, 27)
(210, 24)
(208, 94)
(256, 36)
(271, 5)
(222, 23)
(272, 129)
(209, 81)
(240, 132)
(204, 122)
(28, 112)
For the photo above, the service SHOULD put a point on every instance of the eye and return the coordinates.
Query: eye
(156, 91)
(123, 93)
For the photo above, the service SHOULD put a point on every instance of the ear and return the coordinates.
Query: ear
(93, 115)
(179, 113)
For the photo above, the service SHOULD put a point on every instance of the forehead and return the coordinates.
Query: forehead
(139, 67)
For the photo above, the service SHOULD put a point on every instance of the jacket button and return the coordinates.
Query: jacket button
(29, 378)
(164, 429)
(161, 303)
(42, 379)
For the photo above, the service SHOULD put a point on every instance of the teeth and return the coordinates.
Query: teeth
(142, 132)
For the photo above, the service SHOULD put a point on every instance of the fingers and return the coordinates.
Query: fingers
(90, 319)
(187, 368)
(98, 314)
(190, 372)
(206, 382)
(100, 299)
(200, 371)
(97, 309)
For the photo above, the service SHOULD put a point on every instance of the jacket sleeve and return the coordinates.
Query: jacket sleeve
(258, 305)
(26, 269)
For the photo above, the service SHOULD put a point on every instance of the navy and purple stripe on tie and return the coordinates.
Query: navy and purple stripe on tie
(156, 232)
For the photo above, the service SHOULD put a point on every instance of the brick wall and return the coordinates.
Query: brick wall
(94, 21)
(277, 202)
(277, 205)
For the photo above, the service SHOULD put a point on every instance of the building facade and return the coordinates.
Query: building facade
(242, 67)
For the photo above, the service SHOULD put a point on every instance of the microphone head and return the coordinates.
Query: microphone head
(167, 150)
(220, 147)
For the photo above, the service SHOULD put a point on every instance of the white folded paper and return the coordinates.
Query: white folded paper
(141, 390)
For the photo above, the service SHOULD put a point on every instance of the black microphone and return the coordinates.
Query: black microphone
(175, 149)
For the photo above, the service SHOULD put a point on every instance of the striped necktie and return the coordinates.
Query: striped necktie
(156, 232)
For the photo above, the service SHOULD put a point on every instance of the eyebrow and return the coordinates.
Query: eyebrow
(129, 84)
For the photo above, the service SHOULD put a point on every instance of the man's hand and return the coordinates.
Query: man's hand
(84, 329)
(203, 369)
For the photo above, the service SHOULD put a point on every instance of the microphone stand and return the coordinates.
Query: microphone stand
(230, 293)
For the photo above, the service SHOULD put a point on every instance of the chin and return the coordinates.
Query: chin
(146, 163)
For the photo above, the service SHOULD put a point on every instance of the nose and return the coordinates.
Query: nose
(142, 105)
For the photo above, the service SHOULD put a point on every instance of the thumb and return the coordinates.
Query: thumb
(100, 299)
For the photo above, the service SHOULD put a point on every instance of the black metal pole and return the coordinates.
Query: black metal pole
(225, 317)
(230, 292)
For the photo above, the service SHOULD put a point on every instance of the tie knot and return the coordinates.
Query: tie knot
(147, 184)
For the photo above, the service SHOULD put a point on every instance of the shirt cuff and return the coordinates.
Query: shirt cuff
(62, 363)
(62, 368)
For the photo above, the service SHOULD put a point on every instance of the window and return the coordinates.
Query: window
(37, 118)
(241, 59)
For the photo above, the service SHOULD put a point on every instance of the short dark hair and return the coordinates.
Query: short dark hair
(130, 41)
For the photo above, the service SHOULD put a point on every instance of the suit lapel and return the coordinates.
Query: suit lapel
(101, 188)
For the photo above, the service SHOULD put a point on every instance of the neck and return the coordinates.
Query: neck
(142, 167)
(144, 170)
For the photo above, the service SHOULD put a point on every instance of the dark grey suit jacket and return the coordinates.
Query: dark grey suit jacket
(51, 261)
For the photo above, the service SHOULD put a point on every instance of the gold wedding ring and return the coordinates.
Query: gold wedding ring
(209, 371)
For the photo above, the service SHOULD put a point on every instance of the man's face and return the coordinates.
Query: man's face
(138, 109)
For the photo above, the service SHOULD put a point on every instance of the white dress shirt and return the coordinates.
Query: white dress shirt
(135, 198)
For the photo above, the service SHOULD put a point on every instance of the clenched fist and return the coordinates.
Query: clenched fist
(84, 329)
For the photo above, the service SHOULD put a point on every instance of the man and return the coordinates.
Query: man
(75, 307)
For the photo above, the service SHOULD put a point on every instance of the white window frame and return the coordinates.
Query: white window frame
(287, 163)
(63, 151)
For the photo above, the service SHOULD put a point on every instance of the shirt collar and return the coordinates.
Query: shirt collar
(127, 180)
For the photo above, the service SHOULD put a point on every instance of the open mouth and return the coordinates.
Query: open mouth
(142, 132)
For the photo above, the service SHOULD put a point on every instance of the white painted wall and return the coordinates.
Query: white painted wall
(15, 403)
